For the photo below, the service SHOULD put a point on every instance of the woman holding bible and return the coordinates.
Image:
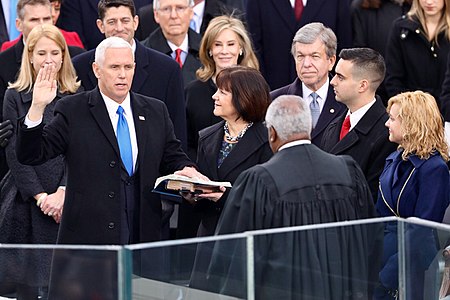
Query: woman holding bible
(236, 143)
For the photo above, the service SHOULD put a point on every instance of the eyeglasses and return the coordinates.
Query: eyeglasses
(168, 10)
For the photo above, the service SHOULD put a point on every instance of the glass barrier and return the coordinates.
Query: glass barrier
(365, 259)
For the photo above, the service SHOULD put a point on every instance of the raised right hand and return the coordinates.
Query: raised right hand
(44, 91)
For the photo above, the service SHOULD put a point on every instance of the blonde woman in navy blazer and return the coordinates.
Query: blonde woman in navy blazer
(239, 141)
(414, 183)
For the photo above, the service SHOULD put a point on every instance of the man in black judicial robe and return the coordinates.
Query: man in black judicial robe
(299, 185)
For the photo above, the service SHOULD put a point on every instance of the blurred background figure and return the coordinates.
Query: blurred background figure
(33, 196)
(174, 37)
(204, 12)
(72, 38)
(417, 49)
(372, 21)
(273, 25)
(415, 183)
(81, 16)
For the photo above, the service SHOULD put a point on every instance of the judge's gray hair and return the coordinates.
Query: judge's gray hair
(309, 33)
(289, 115)
(111, 42)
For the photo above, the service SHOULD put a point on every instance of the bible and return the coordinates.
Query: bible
(174, 184)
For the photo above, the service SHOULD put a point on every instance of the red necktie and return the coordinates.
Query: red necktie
(178, 57)
(298, 9)
(345, 127)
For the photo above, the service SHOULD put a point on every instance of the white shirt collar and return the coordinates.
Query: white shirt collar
(293, 3)
(184, 45)
(357, 115)
(199, 10)
(294, 143)
(112, 106)
(322, 92)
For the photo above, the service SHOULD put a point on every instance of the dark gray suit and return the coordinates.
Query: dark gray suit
(157, 41)
(330, 110)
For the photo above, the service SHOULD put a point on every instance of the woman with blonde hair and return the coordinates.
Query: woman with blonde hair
(415, 183)
(417, 49)
(225, 43)
(33, 196)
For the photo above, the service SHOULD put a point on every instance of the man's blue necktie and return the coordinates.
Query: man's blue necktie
(123, 138)
(13, 32)
(315, 109)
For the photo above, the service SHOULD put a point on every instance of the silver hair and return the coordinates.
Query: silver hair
(111, 42)
(157, 4)
(309, 33)
(289, 115)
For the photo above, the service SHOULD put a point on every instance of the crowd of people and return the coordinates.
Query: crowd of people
(315, 111)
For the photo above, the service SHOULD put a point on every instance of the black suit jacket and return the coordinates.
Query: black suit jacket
(251, 150)
(158, 42)
(147, 23)
(368, 142)
(155, 75)
(330, 110)
(273, 26)
(4, 36)
(81, 16)
(82, 131)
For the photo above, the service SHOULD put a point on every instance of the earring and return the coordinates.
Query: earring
(210, 53)
(241, 52)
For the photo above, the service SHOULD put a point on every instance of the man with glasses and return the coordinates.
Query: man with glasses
(156, 75)
(174, 37)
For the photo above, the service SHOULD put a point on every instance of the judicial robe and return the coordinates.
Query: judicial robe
(300, 185)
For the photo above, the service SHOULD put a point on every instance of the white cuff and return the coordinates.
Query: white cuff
(32, 124)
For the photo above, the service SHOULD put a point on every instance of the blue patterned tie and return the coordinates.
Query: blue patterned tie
(315, 109)
(13, 32)
(123, 138)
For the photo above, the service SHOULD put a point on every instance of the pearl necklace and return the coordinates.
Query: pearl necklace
(234, 139)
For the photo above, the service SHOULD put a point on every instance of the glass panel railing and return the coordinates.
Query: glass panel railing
(188, 269)
(326, 261)
(425, 259)
(58, 272)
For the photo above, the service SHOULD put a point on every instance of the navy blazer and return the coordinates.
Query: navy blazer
(155, 75)
(272, 25)
(251, 150)
(158, 42)
(330, 110)
(81, 16)
(424, 195)
(368, 142)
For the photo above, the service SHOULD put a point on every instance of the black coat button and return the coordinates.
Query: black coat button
(111, 195)
(112, 164)
(111, 225)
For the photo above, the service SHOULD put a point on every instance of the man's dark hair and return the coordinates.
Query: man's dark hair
(103, 6)
(367, 63)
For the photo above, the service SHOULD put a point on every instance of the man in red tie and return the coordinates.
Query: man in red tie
(174, 37)
(360, 131)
